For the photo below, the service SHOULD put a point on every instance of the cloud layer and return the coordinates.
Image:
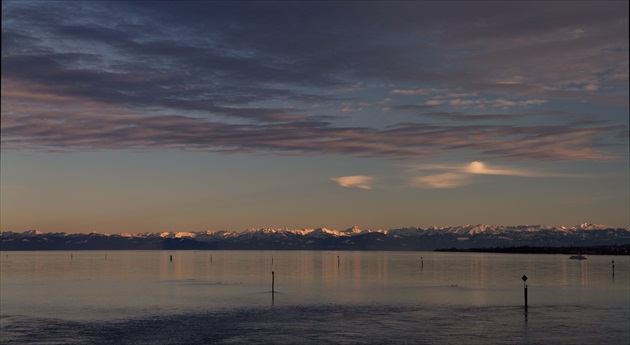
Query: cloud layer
(249, 77)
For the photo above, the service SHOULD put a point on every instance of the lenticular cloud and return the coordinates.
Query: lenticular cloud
(477, 167)
(358, 181)
(453, 176)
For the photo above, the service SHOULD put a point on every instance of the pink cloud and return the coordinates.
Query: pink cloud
(452, 176)
(358, 181)
(442, 180)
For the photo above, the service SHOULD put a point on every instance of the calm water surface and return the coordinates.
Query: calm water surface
(221, 297)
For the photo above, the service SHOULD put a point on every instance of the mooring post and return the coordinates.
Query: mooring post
(613, 267)
(421, 263)
(273, 282)
(171, 258)
(337, 260)
(524, 277)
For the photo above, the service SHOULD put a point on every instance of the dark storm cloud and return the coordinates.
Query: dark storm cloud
(261, 76)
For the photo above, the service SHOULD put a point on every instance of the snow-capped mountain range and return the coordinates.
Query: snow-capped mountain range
(463, 237)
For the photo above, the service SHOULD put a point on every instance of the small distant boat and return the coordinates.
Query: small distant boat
(578, 257)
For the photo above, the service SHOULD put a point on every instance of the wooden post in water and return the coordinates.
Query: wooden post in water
(171, 258)
(613, 267)
(273, 282)
(525, 290)
(337, 260)
(421, 263)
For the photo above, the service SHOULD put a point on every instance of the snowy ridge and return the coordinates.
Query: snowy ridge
(467, 236)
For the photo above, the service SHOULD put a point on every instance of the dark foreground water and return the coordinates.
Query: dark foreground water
(224, 297)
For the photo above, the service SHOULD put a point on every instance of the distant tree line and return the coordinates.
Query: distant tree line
(623, 249)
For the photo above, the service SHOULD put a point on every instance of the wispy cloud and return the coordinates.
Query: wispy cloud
(422, 92)
(358, 181)
(78, 124)
(498, 103)
(477, 167)
(459, 99)
(441, 180)
(448, 176)
(453, 176)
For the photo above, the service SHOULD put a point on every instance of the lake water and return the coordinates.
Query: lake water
(320, 297)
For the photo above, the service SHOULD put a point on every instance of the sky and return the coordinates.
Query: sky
(192, 116)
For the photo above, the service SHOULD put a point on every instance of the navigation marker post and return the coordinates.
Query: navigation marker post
(524, 278)
(273, 288)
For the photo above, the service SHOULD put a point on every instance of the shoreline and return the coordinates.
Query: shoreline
(623, 249)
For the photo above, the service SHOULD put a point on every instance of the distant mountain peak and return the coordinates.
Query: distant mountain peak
(353, 230)
(589, 226)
